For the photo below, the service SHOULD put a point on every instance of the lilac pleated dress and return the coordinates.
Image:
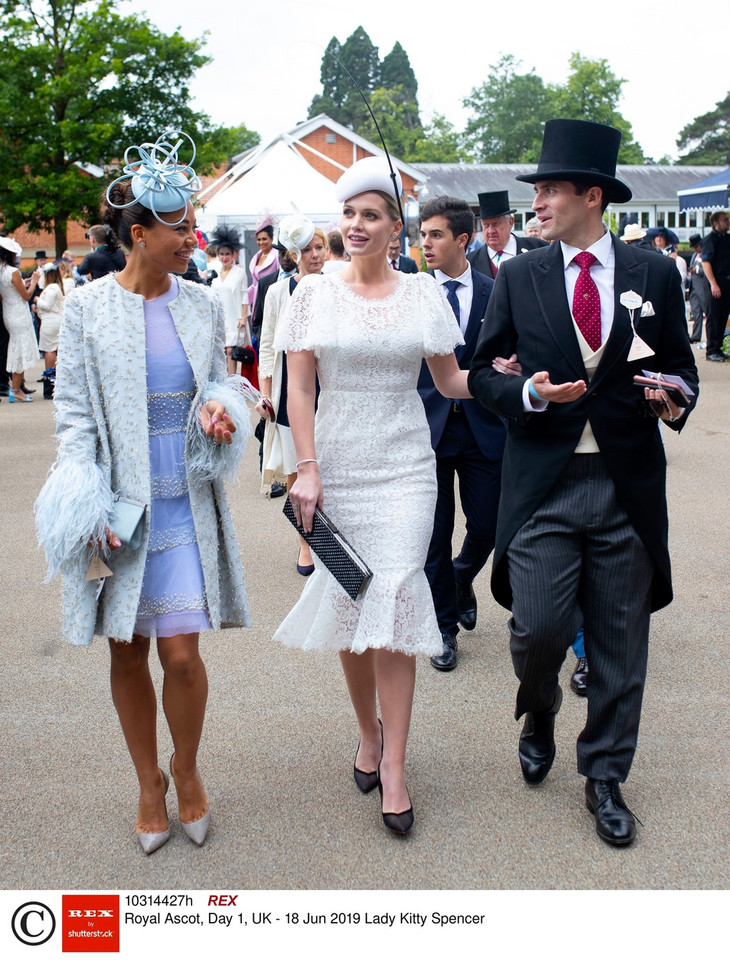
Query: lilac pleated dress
(173, 592)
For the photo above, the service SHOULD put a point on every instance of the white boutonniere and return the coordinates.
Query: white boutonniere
(524, 249)
(632, 301)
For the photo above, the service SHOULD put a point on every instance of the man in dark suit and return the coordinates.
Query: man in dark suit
(468, 440)
(583, 518)
(716, 265)
(398, 261)
(500, 244)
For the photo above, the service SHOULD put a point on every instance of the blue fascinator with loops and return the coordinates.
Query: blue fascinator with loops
(159, 181)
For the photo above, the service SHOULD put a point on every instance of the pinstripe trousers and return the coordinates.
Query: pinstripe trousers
(579, 555)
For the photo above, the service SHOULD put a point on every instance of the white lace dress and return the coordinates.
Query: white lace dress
(374, 449)
(23, 345)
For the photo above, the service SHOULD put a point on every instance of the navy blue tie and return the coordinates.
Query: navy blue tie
(451, 287)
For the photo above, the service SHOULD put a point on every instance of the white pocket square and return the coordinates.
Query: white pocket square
(647, 310)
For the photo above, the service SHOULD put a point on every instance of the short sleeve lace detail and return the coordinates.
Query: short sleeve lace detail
(318, 302)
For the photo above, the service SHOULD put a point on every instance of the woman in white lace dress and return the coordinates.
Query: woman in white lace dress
(15, 294)
(366, 459)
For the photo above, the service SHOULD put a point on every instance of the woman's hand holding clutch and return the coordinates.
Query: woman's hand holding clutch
(306, 494)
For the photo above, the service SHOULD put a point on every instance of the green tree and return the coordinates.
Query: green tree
(362, 60)
(340, 98)
(226, 142)
(438, 142)
(331, 77)
(592, 92)
(78, 83)
(707, 138)
(396, 71)
(397, 118)
(508, 114)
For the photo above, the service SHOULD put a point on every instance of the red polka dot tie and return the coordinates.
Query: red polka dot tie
(587, 302)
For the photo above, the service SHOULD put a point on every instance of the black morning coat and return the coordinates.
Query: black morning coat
(528, 314)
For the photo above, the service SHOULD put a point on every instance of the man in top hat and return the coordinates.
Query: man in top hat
(699, 289)
(582, 527)
(500, 244)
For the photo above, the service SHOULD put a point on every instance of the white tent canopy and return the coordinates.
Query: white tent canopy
(280, 178)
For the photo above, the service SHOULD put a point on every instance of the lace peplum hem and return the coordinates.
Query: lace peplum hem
(396, 614)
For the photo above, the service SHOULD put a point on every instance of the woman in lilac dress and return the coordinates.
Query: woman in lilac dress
(144, 410)
(264, 262)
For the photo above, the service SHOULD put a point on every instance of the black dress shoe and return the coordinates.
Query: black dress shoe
(368, 781)
(537, 742)
(399, 823)
(447, 659)
(26, 390)
(615, 823)
(277, 490)
(578, 682)
(716, 356)
(466, 605)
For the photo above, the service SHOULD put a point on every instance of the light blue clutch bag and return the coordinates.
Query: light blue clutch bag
(127, 521)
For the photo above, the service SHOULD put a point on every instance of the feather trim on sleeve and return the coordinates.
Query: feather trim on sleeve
(208, 460)
(72, 509)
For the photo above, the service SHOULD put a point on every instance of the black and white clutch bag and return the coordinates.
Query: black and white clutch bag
(342, 561)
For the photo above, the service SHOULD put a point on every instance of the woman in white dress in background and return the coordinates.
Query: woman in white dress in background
(306, 245)
(49, 306)
(230, 285)
(366, 459)
(15, 294)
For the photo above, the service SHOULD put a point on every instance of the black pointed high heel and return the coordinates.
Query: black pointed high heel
(399, 823)
(368, 781)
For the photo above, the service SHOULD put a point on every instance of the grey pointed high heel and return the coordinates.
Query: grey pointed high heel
(153, 841)
(195, 830)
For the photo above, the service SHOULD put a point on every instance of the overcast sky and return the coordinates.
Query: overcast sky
(267, 56)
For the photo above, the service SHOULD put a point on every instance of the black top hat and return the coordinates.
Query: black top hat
(40, 254)
(695, 240)
(494, 204)
(578, 150)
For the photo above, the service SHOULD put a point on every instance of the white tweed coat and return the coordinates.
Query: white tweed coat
(102, 435)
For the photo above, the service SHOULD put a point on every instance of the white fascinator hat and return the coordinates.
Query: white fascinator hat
(7, 243)
(371, 173)
(296, 232)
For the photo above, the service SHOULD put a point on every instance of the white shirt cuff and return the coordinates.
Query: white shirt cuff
(529, 403)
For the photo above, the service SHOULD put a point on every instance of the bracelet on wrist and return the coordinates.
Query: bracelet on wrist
(307, 460)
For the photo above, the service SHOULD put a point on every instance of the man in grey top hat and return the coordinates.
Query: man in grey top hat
(500, 244)
(582, 525)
